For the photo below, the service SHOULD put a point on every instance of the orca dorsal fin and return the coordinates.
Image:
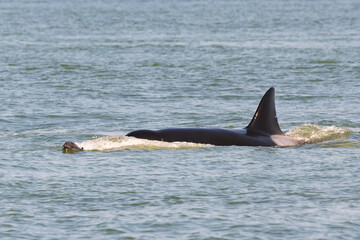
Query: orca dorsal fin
(265, 120)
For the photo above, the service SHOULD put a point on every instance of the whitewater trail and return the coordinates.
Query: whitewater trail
(311, 133)
(124, 142)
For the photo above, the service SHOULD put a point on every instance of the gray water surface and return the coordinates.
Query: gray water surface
(78, 70)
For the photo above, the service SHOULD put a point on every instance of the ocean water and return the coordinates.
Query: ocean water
(92, 71)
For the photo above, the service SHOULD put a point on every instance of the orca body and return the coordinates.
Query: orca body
(263, 130)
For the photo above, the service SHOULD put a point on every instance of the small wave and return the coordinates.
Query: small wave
(124, 142)
(341, 144)
(311, 133)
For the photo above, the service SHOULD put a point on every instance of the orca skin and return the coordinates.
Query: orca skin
(263, 130)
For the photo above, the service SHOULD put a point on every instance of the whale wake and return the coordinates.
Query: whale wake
(312, 133)
(109, 143)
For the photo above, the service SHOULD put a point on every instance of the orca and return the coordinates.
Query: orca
(263, 130)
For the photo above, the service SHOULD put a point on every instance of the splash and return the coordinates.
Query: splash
(311, 133)
(123, 142)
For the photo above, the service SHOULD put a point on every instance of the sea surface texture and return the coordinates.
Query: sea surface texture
(92, 71)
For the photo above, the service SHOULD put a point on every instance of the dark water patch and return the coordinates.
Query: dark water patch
(325, 62)
(115, 231)
(31, 68)
(173, 200)
(239, 202)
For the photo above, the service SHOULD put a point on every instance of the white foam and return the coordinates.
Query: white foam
(124, 142)
(311, 133)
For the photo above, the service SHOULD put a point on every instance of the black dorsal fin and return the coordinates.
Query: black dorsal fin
(265, 120)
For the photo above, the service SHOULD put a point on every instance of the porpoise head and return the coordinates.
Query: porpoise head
(71, 146)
